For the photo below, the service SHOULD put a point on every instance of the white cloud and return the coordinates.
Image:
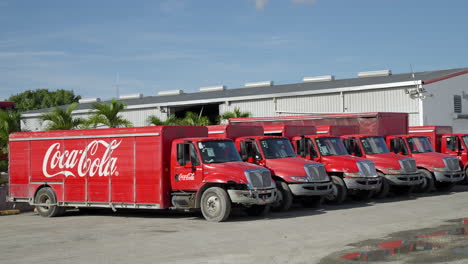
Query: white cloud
(260, 4)
(31, 53)
(304, 1)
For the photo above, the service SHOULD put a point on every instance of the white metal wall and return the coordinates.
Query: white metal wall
(438, 105)
(260, 107)
(323, 103)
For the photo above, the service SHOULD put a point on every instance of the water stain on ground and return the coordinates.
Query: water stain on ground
(448, 242)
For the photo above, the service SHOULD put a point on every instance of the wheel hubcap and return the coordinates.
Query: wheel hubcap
(213, 205)
(333, 194)
(44, 199)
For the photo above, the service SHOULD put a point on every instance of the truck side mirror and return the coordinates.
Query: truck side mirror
(243, 151)
(395, 145)
(301, 146)
(348, 146)
(181, 154)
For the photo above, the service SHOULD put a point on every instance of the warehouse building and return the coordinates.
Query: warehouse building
(430, 98)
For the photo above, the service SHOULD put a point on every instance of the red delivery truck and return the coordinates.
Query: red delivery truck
(155, 167)
(399, 173)
(296, 178)
(444, 141)
(350, 175)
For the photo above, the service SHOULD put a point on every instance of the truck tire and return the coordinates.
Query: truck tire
(339, 191)
(258, 210)
(465, 180)
(444, 186)
(215, 204)
(385, 189)
(428, 182)
(284, 198)
(312, 201)
(47, 196)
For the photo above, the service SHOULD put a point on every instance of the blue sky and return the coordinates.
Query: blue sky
(182, 44)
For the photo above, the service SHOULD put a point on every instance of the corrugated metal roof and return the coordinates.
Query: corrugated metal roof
(277, 89)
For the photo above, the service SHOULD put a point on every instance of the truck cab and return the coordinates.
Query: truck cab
(444, 141)
(296, 178)
(350, 175)
(438, 170)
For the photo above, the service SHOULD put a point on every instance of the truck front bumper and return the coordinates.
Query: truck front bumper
(404, 179)
(363, 183)
(252, 197)
(311, 189)
(449, 176)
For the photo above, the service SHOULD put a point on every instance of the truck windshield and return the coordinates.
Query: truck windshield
(331, 146)
(218, 151)
(419, 144)
(374, 145)
(277, 148)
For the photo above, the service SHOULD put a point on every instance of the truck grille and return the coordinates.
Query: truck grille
(367, 168)
(452, 164)
(316, 172)
(260, 178)
(408, 165)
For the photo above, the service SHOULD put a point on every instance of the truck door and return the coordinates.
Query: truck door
(353, 147)
(250, 153)
(187, 173)
(452, 145)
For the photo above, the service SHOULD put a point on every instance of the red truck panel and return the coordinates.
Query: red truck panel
(289, 130)
(234, 131)
(337, 130)
(434, 133)
(376, 123)
(120, 165)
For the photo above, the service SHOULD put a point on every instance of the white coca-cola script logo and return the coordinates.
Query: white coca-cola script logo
(83, 159)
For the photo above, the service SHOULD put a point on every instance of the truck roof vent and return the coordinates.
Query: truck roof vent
(170, 92)
(89, 100)
(324, 78)
(258, 84)
(374, 73)
(213, 88)
(131, 96)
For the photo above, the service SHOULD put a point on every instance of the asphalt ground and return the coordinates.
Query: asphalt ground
(424, 228)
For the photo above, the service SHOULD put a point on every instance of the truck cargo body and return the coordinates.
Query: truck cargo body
(375, 123)
(358, 174)
(303, 179)
(142, 167)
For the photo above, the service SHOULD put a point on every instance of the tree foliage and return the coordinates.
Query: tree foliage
(42, 98)
(108, 115)
(62, 119)
(9, 123)
(235, 114)
(170, 121)
(194, 119)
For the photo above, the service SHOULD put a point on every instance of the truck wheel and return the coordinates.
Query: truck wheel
(215, 204)
(385, 189)
(46, 196)
(312, 202)
(428, 182)
(404, 190)
(339, 191)
(284, 198)
(258, 210)
(465, 180)
(444, 186)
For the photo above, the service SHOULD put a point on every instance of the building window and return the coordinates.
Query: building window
(457, 104)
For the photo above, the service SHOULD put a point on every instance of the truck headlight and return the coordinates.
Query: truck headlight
(301, 178)
(352, 174)
(440, 169)
(392, 171)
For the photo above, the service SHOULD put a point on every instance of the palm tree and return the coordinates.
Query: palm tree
(9, 123)
(108, 115)
(170, 121)
(235, 114)
(62, 119)
(193, 119)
